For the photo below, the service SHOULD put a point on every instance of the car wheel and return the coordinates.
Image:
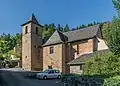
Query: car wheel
(59, 77)
(45, 77)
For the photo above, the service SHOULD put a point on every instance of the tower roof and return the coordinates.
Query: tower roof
(32, 19)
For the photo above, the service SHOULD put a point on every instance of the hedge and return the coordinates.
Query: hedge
(85, 80)
(77, 80)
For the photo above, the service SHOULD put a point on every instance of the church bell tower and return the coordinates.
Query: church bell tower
(31, 40)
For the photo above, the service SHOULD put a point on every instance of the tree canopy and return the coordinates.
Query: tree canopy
(7, 43)
(111, 31)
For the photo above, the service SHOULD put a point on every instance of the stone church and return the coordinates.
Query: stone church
(60, 49)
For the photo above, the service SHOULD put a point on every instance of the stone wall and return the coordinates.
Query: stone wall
(79, 48)
(75, 69)
(65, 58)
(55, 59)
(26, 51)
(64, 53)
(85, 46)
(101, 44)
(30, 47)
(36, 62)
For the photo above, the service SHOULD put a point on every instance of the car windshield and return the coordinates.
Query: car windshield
(46, 71)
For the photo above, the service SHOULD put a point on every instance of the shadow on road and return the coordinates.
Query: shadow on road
(2, 81)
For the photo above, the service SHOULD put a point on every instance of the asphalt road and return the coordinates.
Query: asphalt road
(15, 78)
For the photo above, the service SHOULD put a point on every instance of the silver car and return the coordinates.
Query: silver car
(49, 73)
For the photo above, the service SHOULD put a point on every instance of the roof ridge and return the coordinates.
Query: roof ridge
(62, 36)
(58, 37)
(59, 34)
(81, 28)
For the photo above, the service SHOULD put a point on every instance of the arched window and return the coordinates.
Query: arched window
(26, 29)
(36, 30)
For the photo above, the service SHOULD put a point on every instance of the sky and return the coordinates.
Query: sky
(13, 13)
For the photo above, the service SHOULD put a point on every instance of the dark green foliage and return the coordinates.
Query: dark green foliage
(66, 28)
(48, 30)
(113, 81)
(51, 29)
(83, 26)
(46, 27)
(80, 27)
(82, 80)
(53, 25)
(2, 58)
(111, 34)
(87, 80)
(7, 43)
(107, 64)
(116, 4)
(59, 28)
(90, 24)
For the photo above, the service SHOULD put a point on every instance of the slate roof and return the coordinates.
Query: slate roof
(32, 19)
(84, 33)
(44, 39)
(57, 37)
(71, 36)
(84, 57)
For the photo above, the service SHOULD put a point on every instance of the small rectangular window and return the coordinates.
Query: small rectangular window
(80, 67)
(36, 30)
(51, 50)
(25, 56)
(35, 46)
(26, 29)
(77, 49)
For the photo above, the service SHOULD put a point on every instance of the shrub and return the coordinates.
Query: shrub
(113, 81)
(106, 64)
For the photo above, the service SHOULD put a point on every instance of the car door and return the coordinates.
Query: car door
(56, 73)
(51, 74)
